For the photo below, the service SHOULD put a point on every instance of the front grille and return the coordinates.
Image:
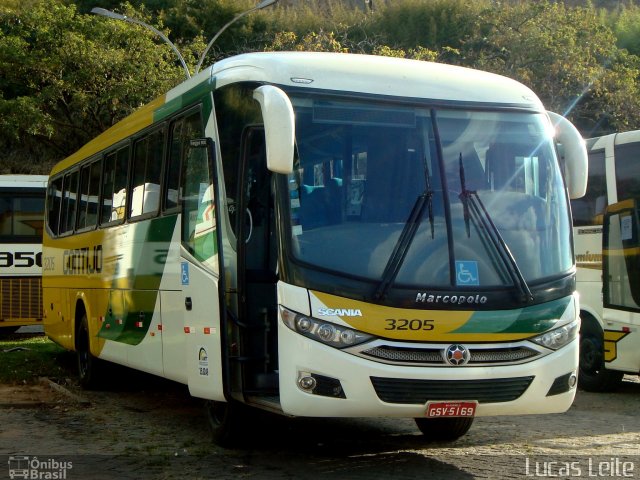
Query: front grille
(408, 391)
(20, 299)
(494, 355)
(501, 355)
(400, 354)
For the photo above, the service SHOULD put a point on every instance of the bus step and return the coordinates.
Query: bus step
(248, 359)
(265, 382)
(271, 403)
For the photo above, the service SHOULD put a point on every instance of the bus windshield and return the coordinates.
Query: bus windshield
(418, 196)
(21, 216)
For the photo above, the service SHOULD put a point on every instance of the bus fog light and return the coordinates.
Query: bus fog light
(573, 380)
(306, 382)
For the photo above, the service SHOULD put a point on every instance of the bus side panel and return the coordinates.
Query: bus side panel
(621, 340)
(588, 251)
(146, 355)
(57, 322)
(174, 355)
(202, 322)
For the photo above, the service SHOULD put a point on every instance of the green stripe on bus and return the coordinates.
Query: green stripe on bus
(534, 319)
(131, 310)
(190, 97)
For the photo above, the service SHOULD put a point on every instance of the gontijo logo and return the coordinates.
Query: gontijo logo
(81, 261)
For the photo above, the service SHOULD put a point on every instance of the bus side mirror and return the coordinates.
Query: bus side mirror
(575, 155)
(279, 127)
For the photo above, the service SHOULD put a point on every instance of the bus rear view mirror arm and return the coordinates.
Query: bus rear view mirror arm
(575, 155)
(279, 127)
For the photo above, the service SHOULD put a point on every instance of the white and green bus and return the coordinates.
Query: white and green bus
(605, 353)
(326, 235)
(21, 224)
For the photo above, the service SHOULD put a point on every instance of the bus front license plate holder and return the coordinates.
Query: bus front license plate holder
(451, 409)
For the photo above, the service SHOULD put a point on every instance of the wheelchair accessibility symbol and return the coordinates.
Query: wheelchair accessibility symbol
(467, 273)
(185, 273)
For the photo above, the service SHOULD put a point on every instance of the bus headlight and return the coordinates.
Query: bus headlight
(322, 331)
(558, 337)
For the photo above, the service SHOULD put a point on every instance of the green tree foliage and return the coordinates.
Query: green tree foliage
(625, 22)
(65, 77)
(430, 24)
(566, 56)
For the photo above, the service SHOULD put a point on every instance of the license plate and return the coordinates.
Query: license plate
(451, 409)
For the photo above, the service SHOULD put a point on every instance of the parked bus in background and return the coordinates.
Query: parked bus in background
(613, 176)
(326, 235)
(621, 285)
(21, 222)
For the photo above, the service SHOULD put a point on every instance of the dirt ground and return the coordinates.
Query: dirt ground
(145, 427)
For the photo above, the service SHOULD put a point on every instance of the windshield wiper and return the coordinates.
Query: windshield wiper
(473, 206)
(402, 245)
(400, 250)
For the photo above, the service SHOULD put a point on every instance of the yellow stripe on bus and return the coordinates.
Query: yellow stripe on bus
(135, 122)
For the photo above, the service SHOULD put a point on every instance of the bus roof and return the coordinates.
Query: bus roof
(339, 72)
(23, 181)
(371, 74)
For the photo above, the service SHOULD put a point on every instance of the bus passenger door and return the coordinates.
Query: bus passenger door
(257, 358)
(200, 272)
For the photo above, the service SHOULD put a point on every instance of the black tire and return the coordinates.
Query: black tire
(592, 375)
(444, 429)
(88, 365)
(228, 422)
(8, 330)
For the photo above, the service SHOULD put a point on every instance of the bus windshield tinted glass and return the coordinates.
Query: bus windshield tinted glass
(364, 169)
(21, 216)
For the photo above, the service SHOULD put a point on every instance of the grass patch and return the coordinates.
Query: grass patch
(24, 358)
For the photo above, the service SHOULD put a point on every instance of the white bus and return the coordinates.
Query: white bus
(21, 223)
(326, 235)
(613, 177)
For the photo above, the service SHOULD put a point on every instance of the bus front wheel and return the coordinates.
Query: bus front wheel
(593, 376)
(228, 422)
(8, 330)
(444, 429)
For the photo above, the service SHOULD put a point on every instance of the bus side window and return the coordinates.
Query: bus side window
(5, 216)
(198, 203)
(106, 203)
(147, 161)
(588, 210)
(89, 189)
(54, 203)
(173, 165)
(69, 202)
(114, 192)
(197, 195)
(181, 131)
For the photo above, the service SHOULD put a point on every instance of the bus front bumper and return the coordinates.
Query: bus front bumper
(351, 386)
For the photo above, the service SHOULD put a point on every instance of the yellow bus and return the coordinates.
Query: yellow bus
(21, 222)
(327, 235)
